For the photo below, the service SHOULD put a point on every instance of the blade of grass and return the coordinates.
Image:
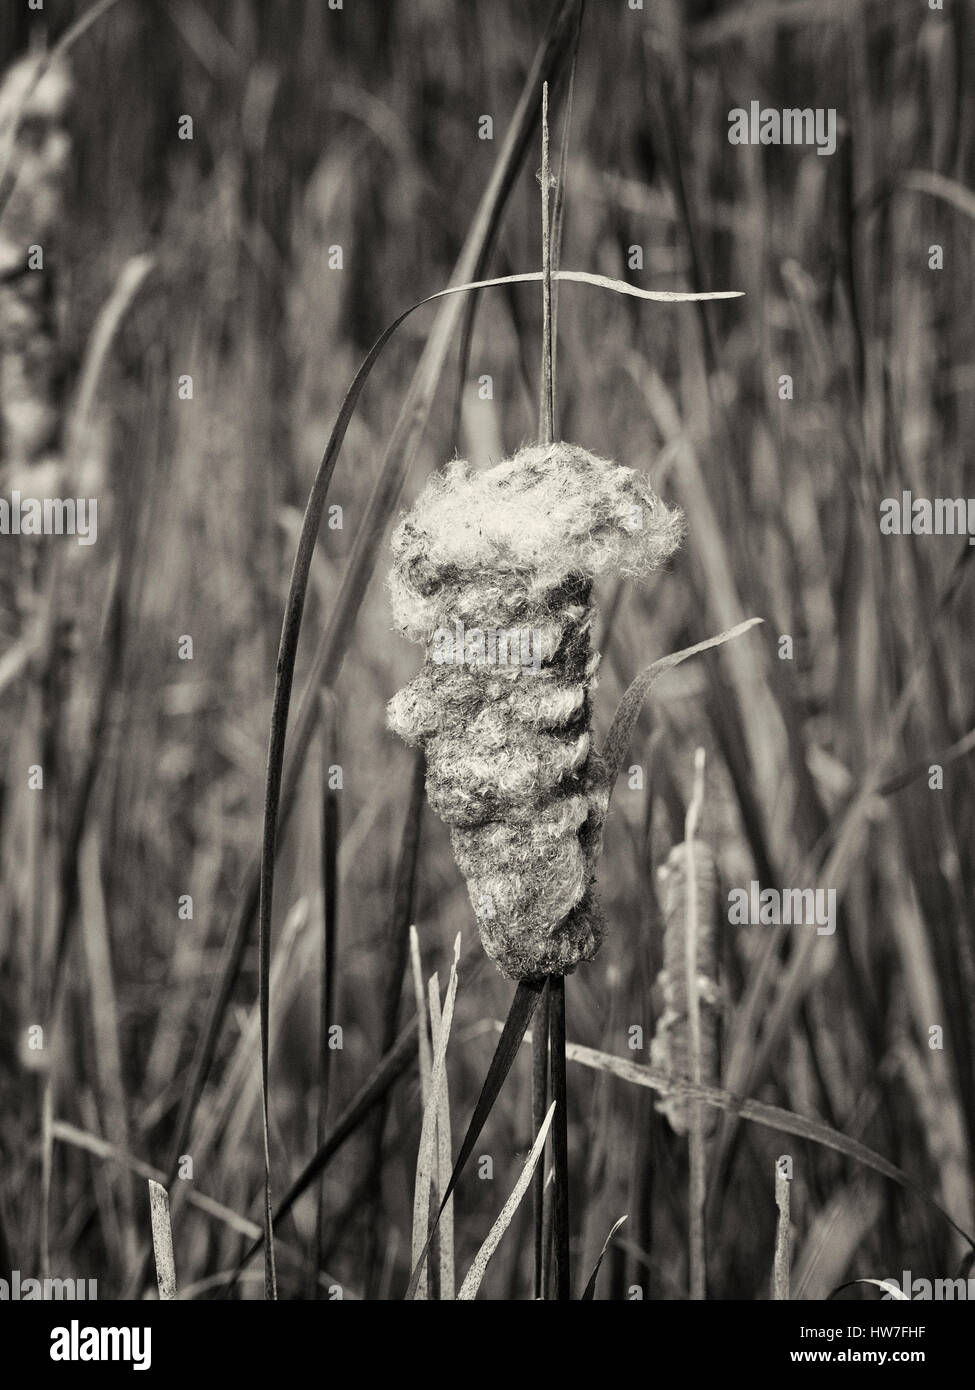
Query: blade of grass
(628, 709)
(330, 892)
(445, 1233)
(888, 1286)
(105, 1023)
(589, 1292)
(426, 1059)
(472, 1282)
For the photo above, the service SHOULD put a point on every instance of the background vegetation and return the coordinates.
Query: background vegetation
(358, 128)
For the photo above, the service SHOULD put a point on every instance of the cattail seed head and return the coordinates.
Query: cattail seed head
(510, 762)
(670, 1048)
(35, 147)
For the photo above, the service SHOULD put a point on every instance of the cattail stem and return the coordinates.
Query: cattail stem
(560, 1137)
(550, 1034)
(546, 411)
(696, 1192)
(539, 1108)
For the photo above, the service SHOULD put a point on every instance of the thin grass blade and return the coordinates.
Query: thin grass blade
(589, 1292)
(471, 1284)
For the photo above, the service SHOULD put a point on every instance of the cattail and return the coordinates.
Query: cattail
(34, 153)
(493, 573)
(670, 1048)
(35, 145)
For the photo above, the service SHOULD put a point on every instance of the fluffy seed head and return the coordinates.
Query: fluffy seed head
(511, 768)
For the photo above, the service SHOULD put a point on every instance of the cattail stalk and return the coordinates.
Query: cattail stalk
(696, 1191)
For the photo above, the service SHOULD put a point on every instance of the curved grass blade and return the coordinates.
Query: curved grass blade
(628, 709)
(589, 1292)
(471, 1284)
(938, 186)
(889, 1287)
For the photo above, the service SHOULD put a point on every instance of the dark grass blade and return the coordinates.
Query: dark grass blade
(523, 1005)
(560, 1138)
(330, 836)
(397, 954)
(539, 1111)
(589, 1292)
